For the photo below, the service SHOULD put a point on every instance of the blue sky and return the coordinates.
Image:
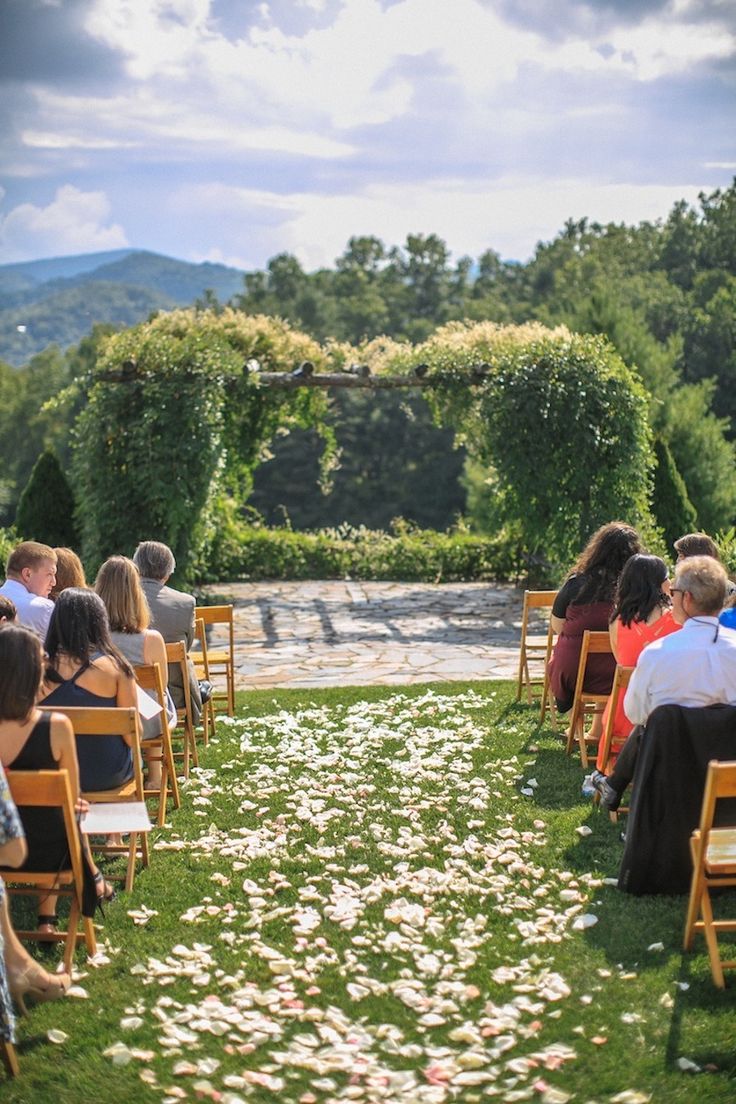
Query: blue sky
(229, 130)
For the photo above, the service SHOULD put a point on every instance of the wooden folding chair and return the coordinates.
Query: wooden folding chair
(51, 789)
(109, 721)
(548, 698)
(714, 865)
(221, 660)
(533, 649)
(176, 655)
(201, 663)
(621, 679)
(159, 750)
(9, 1058)
(586, 705)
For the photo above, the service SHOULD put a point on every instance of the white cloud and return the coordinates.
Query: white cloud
(192, 89)
(74, 222)
(510, 216)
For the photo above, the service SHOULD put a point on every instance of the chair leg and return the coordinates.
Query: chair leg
(70, 942)
(230, 690)
(90, 939)
(9, 1058)
(711, 939)
(132, 858)
(696, 890)
(582, 744)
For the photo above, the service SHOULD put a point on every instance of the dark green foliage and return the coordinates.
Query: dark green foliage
(405, 554)
(672, 509)
(394, 462)
(46, 506)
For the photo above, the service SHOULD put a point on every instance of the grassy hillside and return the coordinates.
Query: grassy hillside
(59, 300)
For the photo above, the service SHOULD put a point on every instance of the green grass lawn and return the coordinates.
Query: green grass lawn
(358, 902)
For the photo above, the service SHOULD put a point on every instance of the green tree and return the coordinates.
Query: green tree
(46, 507)
(672, 509)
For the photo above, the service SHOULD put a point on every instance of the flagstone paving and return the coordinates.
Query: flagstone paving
(335, 633)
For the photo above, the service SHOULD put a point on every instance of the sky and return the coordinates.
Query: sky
(230, 130)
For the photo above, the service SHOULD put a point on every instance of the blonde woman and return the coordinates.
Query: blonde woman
(119, 586)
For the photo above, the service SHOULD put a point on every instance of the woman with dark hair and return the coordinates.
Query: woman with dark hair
(641, 613)
(585, 601)
(32, 740)
(86, 669)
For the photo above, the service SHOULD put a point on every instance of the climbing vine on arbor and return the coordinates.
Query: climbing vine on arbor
(175, 424)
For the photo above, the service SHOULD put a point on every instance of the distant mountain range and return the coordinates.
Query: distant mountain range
(58, 300)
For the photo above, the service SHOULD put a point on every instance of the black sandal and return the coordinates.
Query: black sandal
(108, 892)
(48, 920)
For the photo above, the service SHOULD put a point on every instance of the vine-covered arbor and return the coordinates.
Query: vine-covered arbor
(180, 411)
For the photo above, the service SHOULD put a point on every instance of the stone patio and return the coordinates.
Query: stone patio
(342, 633)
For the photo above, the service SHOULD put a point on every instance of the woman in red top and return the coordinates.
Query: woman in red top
(640, 615)
(585, 601)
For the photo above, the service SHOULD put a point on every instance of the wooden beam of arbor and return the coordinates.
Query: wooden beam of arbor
(286, 381)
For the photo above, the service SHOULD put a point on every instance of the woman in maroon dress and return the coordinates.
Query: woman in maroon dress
(585, 601)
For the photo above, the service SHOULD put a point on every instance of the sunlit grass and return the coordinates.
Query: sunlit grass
(424, 782)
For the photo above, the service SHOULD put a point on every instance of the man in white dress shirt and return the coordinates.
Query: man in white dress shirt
(694, 667)
(30, 575)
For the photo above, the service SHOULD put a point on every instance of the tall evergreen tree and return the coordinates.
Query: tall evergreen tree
(46, 506)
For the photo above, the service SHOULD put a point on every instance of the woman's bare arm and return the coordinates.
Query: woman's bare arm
(154, 651)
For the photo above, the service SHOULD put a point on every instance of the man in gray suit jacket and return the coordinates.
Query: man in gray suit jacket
(172, 613)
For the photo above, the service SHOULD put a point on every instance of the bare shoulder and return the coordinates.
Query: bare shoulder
(61, 727)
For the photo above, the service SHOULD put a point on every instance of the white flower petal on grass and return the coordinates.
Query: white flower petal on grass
(121, 1054)
(56, 1036)
(78, 992)
(584, 830)
(631, 1096)
(587, 920)
(655, 947)
(687, 1065)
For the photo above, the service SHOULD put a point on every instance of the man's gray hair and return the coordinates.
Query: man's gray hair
(154, 560)
(705, 580)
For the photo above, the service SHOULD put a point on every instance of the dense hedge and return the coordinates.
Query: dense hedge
(410, 555)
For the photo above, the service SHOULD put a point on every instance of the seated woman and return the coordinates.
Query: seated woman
(8, 612)
(20, 975)
(31, 740)
(86, 669)
(119, 586)
(585, 601)
(642, 613)
(69, 572)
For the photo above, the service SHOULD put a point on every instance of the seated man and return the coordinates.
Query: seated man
(172, 613)
(31, 573)
(694, 667)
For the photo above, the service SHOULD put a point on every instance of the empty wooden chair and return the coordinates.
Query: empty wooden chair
(221, 660)
(51, 789)
(533, 649)
(586, 705)
(149, 677)
(109, 721)
(176, 655)
(714, 866)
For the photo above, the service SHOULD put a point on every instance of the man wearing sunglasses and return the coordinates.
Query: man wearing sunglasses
(694, 667)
